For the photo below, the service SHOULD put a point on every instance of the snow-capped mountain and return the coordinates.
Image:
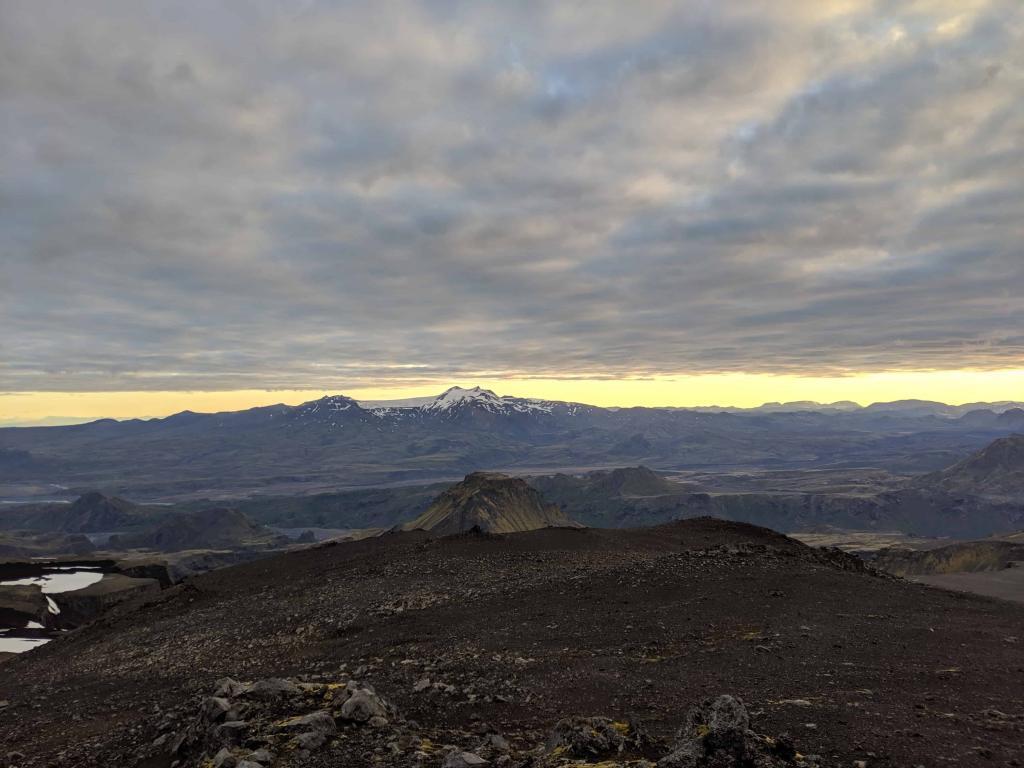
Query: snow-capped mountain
(455, 400)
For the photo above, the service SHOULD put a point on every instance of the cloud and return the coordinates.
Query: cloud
(317, 194)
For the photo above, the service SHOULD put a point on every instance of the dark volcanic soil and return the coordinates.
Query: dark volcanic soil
(533, 627)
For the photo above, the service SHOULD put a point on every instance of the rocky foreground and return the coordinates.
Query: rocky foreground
(699, 643)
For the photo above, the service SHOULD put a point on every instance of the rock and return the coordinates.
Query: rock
(316, 722)
(498, 742)
(4, 703)
(717, 732)
(464, 760)
(228, 688)
(248, 764)
(588, 737)
(310, 741)
(362, 705)
(271, 688)
(224, 759)
(214, 709)
(422, 685)
(231, 732)
(261, 756)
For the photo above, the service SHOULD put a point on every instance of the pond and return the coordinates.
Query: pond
(53, 579)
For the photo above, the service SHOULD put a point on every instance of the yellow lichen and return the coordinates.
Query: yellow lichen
(622, 728)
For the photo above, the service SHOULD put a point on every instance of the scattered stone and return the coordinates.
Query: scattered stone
(224, 759)
(422, 685)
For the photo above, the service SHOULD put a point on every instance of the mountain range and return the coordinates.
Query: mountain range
(337, 442)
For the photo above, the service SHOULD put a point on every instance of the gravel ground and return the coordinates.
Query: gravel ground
(469, 636)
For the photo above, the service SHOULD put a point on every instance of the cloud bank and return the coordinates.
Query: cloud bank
(320, 194)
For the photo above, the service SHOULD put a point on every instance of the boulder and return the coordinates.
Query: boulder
(362, 705)
(214, 709)
(231, 732)
(310, 741)
(228, 688)
(270, 689)
(588, 737)
(717, 732)
(317, 722)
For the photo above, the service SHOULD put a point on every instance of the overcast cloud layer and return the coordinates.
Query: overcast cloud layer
(220, 195)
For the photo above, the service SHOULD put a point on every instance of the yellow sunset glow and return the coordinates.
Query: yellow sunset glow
(739, 389)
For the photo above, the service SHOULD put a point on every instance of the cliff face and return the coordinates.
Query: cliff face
(21, 603)
(965, 557)
(493, 503)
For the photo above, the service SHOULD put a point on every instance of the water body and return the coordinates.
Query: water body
(19, 644)
(60, 579)
(53, 580)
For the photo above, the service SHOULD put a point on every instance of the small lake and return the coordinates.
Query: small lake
(53, 579)
(59, 579)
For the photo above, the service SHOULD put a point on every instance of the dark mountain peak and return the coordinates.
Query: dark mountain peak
(94, 511)
(996, 470)
(492, 502)
(95, 501)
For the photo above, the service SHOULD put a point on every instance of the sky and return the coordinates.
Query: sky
(216, 205)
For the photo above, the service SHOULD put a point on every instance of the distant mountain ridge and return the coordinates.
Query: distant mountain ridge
(337, 441)
(209, 528)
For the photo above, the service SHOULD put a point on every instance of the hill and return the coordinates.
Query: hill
(996, 470)
(485, 644)
(492, 503)
(205, 529)
(92, 512)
